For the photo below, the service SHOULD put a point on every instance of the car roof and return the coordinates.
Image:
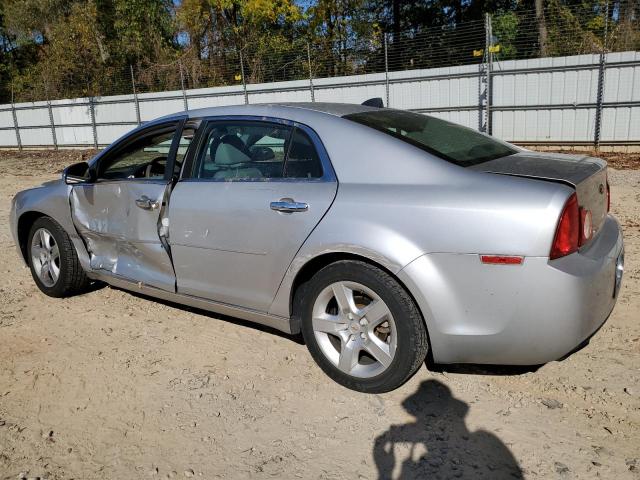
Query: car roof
(313, 113)
(279, 109)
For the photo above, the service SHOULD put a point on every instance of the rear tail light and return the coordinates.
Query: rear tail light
(574, 229)
(568, 233)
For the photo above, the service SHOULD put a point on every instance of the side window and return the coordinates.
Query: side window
(144, 158)
(244, 151)
(303, 160)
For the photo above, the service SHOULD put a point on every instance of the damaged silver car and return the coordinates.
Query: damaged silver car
(378, 234)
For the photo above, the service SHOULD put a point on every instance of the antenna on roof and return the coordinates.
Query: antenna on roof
(374, 102)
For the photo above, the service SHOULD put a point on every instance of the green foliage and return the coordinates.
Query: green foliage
(142, 30)
(505, 29)
(69, 48)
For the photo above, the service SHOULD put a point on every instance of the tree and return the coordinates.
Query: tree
(72, 59)
(143, 29)
(542, 27)
(626, 34)
(68, 48)
(216, 31)
(33, 20)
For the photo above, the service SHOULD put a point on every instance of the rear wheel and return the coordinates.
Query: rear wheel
(361, 327)
(53, 260)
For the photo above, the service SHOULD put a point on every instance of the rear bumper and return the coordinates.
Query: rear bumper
(517, 315)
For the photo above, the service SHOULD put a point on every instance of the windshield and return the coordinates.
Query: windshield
(454, 143)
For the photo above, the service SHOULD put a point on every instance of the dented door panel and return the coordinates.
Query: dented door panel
(122, 237)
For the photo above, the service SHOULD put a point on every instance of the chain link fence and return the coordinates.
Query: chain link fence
(487, 44)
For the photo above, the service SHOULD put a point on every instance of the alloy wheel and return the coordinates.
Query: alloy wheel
(355, 329)
(45, 257)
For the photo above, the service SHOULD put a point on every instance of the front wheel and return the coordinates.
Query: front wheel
(53, 260)
(362, 327)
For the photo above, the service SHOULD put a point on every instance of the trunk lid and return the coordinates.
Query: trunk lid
(588, 175)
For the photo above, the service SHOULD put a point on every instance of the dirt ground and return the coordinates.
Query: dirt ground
(112, 385)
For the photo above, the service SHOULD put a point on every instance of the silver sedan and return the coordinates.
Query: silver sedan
(379, 234)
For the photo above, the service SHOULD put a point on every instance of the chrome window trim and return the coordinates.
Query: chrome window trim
(328, 173)
(158, 180)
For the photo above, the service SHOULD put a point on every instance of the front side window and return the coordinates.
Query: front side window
(144, 158)
(454, 143)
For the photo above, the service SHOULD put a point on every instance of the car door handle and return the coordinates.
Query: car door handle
(146, 203)
(287, 205)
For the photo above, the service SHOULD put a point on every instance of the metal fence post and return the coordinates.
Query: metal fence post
(53, 127)
(489, 57)
(51, 123)
(481, 80)
(184, 92)
(135, 95)
(15, 121)
(601, 75)
(386, 69)
(244, 83)
(94, 130)
(313, 97)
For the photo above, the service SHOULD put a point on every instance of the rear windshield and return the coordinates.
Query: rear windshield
(454, 143)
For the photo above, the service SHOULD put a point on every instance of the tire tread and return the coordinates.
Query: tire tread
(413, 319)
(73, 279)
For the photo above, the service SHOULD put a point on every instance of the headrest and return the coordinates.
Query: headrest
(228, 154)
(233, 140)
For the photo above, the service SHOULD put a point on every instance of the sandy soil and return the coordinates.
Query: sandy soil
(112, 385)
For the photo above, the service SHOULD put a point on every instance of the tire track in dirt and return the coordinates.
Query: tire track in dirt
(132, 387)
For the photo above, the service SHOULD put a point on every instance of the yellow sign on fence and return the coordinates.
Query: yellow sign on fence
(238, 77)
(492, 49)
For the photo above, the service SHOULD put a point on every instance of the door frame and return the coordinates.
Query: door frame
(175, 124)
(197, 154)
(156, 126)
(282, 323)
(191, 161)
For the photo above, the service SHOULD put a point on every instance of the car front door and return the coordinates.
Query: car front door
(120, 214)
(257, 190)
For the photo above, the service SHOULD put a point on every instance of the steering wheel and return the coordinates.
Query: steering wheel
(155, 167)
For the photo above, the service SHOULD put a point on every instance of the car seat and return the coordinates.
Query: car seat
(231, 157)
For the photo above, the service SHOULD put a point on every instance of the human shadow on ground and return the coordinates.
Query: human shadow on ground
(438, 445)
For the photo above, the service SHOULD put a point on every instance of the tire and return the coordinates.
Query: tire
(368, 346)
(48, 244)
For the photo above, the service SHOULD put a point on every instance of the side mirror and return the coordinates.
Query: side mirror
(78, 173)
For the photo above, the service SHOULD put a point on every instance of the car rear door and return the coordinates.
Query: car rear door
(119, 215)
(258, 188)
